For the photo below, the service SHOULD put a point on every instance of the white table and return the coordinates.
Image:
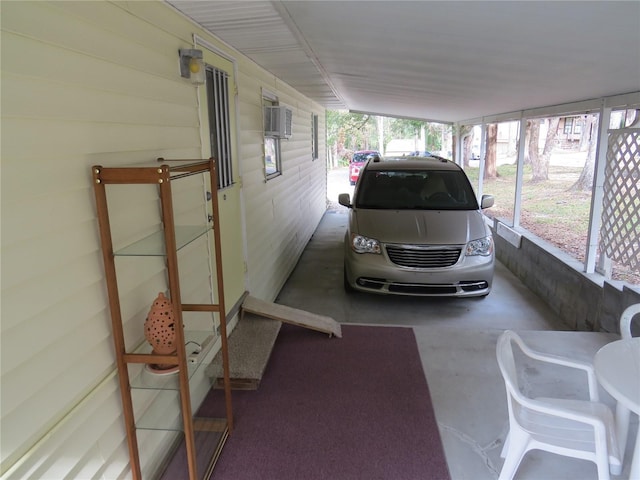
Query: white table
(617, 367)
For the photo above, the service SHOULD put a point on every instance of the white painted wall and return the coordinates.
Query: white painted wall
(87, 83)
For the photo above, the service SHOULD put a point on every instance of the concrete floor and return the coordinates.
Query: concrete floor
(456, 339)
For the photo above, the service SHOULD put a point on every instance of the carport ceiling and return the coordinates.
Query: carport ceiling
(439, 60)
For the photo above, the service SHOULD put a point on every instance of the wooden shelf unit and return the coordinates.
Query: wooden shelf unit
(164, 243)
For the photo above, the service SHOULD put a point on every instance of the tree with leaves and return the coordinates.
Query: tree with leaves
(347, 132)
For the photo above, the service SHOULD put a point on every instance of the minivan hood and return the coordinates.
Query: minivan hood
(430, 227)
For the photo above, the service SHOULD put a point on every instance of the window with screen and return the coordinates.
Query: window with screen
(219, 124)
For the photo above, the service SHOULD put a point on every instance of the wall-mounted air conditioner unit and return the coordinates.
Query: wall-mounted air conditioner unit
(277, 121)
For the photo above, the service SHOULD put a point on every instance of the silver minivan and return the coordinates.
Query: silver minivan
(416, 228)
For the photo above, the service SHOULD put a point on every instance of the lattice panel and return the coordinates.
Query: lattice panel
(620, 231)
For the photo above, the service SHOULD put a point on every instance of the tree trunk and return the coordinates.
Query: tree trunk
(527, 136)
(534, 140)
(585, 135)
(540, 165)
(466, 133)
(585, 181)
(380, 123)
(490, 162)
(466, 149)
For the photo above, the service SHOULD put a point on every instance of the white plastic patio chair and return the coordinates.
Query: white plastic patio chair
(574, 428)
(626, 320)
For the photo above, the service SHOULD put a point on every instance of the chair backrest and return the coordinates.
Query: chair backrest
(518, 400)
(507, 363)
(626, 320)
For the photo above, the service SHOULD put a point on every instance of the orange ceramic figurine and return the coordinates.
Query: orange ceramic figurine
(160, 332)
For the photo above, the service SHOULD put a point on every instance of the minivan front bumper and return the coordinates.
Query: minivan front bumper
(376, 273)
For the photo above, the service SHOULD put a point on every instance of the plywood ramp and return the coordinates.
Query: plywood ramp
(250, 346)
(291, 315)
(253, 338)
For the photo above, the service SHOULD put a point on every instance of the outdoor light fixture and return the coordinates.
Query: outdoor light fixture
(192, 65)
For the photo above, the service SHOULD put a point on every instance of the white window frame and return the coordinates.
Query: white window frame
(272, 159)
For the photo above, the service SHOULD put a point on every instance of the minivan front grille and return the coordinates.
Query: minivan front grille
(423, 257)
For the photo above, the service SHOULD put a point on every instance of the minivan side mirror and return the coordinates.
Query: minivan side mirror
(345, 200)
(487, 201)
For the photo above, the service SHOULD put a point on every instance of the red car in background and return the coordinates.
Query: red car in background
(358, 160)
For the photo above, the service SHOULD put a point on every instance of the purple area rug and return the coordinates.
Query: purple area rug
(329, 408)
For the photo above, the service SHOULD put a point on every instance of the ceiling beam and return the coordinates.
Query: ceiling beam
(626, 100)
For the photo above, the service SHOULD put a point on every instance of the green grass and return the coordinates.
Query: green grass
(552, 210)
(552, 201)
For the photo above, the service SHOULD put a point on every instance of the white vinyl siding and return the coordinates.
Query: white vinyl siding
(87, 83)
(282, 213)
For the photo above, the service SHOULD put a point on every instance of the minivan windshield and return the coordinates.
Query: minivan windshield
(415, 190)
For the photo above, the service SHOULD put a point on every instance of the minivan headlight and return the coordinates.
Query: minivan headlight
(481, 246)
(361, 244)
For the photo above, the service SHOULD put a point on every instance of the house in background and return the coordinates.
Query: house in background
(400, 147)
(99, 83)
(570, 131)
